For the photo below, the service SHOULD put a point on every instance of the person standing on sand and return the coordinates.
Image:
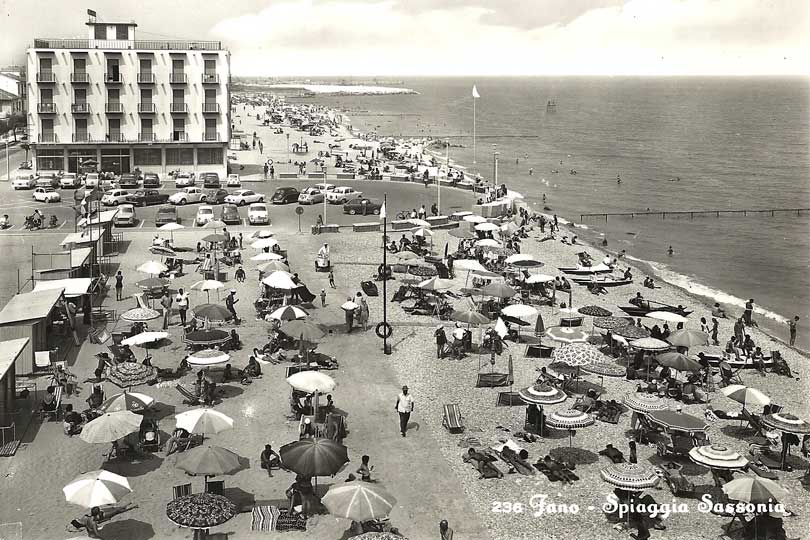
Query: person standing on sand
(332, 280)
(404, 407)
(715, 330)
(792, 326)
(749, 313)
(119, 286)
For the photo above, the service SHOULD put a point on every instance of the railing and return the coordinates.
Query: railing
(79, 78)
(46, 77)
(8, 433)
(177, 78)
(80, 108)
(179, 108)
(115, 108)
(48, 138)
(146, 78)
(692, 214)
(46, 108)
(211, 137)
(179, 137)
(146, 137)
(47, 43)
(210, 78)
(146, 107)
(115, 137)
(82, 137)
(113, 78)
(210, 107)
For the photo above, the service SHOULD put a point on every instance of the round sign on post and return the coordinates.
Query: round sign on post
(299, 211)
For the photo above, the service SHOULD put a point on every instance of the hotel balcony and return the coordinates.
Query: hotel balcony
(147, 137)
(46, 108)
(115, 137)
(46, 77)
(48, 138)
(146, 78)
(210, 78)
(114, 108)
(113, 78)
(179, 136)
(146, 108)
(79, 78)
(179, 108)
(210, 107)
(177, 78)
(82, 138)
(211, 136)
(80, 108)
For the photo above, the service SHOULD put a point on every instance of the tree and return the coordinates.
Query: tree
(17, 119)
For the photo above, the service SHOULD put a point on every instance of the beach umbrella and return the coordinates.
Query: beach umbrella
(498, 290)
(749, 397)
(267, 257)
(650, 344)
(569, 419)
(604, 369)
(215, 313)
(488, 242)
(208, 357)
(264, 243)
(474, 219)
(208, 460)
(215, 238)
(303, 330)
(162, 251)
(204, 420)
(274, 266)
(152, 267)
(358, 501)
(644, 403)
(610, 323)
(754, 490)
(485, 227)
(519, 310)
(510, 227)
(513, 194)
(96, 488)
(594, 311)
(127, 374)
(470, 317)
(264, 233)
(403, 256)
(542, 394)
(214, 224)
(312, 381)
(419, 222)
(527, 264)
(314, 457)
(539, 278)
(631, 331)
(717, 456)
(677, 420)
(423, 232)
(140, 314)
(280, 280)
(378, 536)
(630, 476)
(786, 422)
(667, 316)
(152, 283)
(678, 361)
(462, 234)
(110, 427)
(207, 285)
(436, 284)
(470, 265)
(200, 510)
(145, 338)
(288, 313)
(207, 338)
(517, 257)
(688, 338)
(171, 227)
(567, 334)
(127, 401)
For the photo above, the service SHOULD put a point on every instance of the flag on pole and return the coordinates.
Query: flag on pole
(475, 93)
(91, 13)
(382, 211)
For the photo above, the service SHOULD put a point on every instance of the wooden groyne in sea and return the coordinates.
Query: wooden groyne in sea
(691, 214)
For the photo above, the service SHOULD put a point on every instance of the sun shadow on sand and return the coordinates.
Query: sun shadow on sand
(143, 465)
(580, 456)
(226, 391)
(736, 431)
(687, 468)
(128, 529)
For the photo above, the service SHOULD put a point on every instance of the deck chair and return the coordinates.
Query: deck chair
(491, 380)
(216, 487)
(753, 422)
(729, 376)
(182, 490)
(119, 353)
(645, 428)
(453, 421)
(188, 396)
(335, 427)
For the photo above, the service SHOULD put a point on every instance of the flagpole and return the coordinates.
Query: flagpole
(385, 274)
(474, 165)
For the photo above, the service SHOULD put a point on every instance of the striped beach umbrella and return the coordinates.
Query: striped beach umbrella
(288, 313)
(717, 456)
(542, 394)
(569, 420)
(749, 397)
(631, 331)
(140, 314)
(630, 476)
(650, 344)
(567, 334)
(127, 401)
(358, 501)
(96, 488)
(644, 403)
(786, 422)
(755, 490)
(688, 338)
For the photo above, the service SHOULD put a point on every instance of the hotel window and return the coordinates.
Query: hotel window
(209, 156)
(146, 95)
(148, 156)
(113, 95)
(178, 95)
(47, 126)
(121, 31)
(46, 95)
(146, 128)
(80, 66)
(178, 129)
(46, 64)
(179, 156)
(210, 67)
(80, 96)
(100, 31)
(81, 129)
(114, 129)
(51, 160)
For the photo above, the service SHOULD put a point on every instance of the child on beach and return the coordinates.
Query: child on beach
(323, 297)
(364, 470)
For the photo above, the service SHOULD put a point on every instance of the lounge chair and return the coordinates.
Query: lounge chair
(57, 402)
(453, 421)
(492, 380)
(182, 490)
(679, 485)
(335, 427)
(188, 396)
(753, 422)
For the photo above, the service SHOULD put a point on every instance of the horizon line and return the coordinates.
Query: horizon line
(566, 75)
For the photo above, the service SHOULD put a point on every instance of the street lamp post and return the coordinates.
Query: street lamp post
(8, 170)
(288, 147)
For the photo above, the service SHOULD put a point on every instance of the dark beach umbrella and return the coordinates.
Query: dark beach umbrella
(206, 337)
(463, 234)
(314, 457)
(470, 317)
(678, 361)
(498, 290)
(595, 311)
(209, 461)
(200, 510)
(215, 238)
(632, 332)
(212, 312)
(527, 264)
(304, 330)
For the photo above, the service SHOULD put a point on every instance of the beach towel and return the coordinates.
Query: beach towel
(264, 518)
(288, 521)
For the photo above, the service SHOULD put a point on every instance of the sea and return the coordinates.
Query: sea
(678, 144)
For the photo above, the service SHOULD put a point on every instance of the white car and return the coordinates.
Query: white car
(233, 181)
(326, 188)
(242, 197)
(114, 197)
(310, 195)
(47, 195)
(91, 179)
(205, 214)
(184, 179)
(342, 195)
(258, 214)
(69, 181)
(24, 181)
(188, 195)
(125, 215)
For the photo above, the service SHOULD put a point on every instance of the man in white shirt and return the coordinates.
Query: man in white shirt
(182, 305)
(404, 407)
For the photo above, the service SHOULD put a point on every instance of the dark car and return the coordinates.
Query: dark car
(144, 197)
(285, 195)
(215, 196)
(166, 214)
(230, 214)
(210, 180)
(151, 180)
(128, 181)
(362, 206)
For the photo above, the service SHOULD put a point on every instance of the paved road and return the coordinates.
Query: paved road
(16, 155)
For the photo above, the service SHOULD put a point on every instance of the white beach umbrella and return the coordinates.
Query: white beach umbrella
(214, 224)
(436, 284)
(273, 266)
(517, 257)
(171, 226)
(520, 311)
(207, 285)
(208, 357)
(539, 278)
(280, 280)
(487, 227)
(311, 381)
(110, 427)
(667, 316)
(144, 337)
(487, 242)
(475, 219)
(419, 222)
(513, 194)
(267, 257)
(749, 397)
(349, 305)
(152, 267)
(422, 232)
(96, 488)
(263, 243)
(204, 420)
(264, 233)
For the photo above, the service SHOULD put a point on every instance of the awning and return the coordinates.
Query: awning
(91, 235)
(9, 351)
(73, 286)
(79, 256)
(29, 306)
(99, 218)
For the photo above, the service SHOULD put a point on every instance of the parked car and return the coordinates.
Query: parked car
(25, 165)
(125, 216)
(166, 214)
(284, 195)
(362, 206)
(234, 181)
(128, 181)
(210, 179)
(47, 194)
(188, 195)
(151, 180)
(216, 196)
(24, 181)
(48, 179)
(325, 188)
(144, 197)
(69, 181)
(184, 179)
(342, 195)
(242, 197)
(230, 214)
(114, 197)
(205, 214)
(310, 195)
(91, 180)
(258, 214)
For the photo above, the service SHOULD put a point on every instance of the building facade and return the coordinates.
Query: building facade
(125, 103)
(12, 93)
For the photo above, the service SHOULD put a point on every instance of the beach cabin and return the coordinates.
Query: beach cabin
(41, 318)
(74, 263)
(10, 351)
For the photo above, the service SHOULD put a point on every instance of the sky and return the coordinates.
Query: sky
(453, 37)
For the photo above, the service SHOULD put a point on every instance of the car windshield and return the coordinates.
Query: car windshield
(126, 210)
(139, 193)
(204, 211)
(258, 208)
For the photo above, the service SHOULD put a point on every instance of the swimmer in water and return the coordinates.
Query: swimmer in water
(619, 179)
(525, 156)
(517, 161)
(544, 197)
(670, 251)
(531, 171)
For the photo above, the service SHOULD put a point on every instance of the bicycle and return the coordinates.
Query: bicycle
(403, 214)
